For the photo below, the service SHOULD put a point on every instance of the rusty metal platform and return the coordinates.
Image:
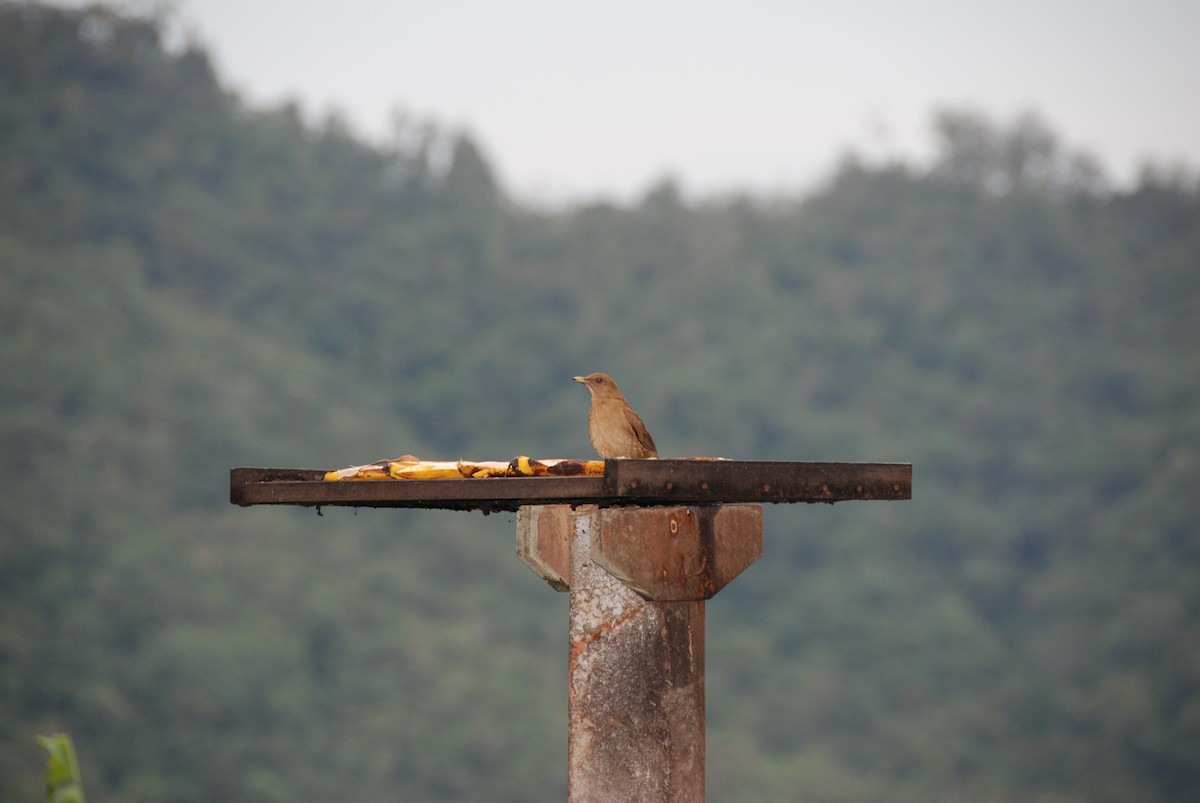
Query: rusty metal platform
(625, 482)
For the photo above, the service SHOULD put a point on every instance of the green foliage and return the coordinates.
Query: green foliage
(188, 285)
(63, 784)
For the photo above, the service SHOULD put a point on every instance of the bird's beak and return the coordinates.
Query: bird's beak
(582, 379)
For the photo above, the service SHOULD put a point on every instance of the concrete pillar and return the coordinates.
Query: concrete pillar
(637, 579)
(636, 699)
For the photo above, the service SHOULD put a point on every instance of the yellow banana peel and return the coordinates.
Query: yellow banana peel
(409, 467)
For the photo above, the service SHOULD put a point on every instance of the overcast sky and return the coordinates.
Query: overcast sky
(576, 99)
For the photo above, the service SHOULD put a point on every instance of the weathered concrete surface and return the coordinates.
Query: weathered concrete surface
(636, 697)
(686, 552)
(543, 538)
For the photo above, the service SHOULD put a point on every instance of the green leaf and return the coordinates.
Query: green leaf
(63, 784)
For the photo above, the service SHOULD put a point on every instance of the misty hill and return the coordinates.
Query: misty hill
(189, 284)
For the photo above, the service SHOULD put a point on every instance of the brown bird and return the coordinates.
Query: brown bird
(615, 429)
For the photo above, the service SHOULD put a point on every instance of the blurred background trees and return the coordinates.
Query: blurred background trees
(188, 284)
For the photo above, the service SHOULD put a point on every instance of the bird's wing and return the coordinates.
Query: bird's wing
(639, 429)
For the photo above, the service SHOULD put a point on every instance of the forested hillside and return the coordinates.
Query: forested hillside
(188, 284)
